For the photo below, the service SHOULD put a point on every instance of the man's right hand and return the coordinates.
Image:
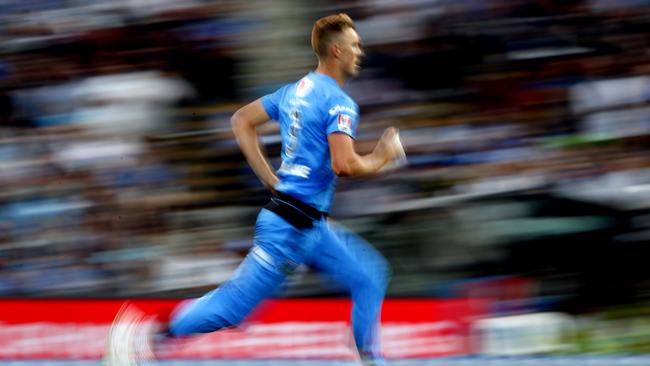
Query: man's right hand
(389, 147)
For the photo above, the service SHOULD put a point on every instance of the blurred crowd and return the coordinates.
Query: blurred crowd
(526, 124)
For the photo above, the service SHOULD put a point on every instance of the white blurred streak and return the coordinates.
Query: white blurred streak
(129, 103)
(596, 95)
(525, 334)
(92, 154)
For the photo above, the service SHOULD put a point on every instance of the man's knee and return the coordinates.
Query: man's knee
(374, 283)
(380, 274)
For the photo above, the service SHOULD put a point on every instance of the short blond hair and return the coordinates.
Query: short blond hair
(325, 28)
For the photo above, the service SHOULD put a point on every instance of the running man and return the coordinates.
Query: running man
(318, 123)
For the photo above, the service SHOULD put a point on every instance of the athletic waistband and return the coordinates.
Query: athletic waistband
(294, 211)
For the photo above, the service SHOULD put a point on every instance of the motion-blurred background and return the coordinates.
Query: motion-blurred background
(526, 124)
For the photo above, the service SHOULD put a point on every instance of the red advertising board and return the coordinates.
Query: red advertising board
(295, 328)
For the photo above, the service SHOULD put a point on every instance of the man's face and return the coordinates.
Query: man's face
(350, 52)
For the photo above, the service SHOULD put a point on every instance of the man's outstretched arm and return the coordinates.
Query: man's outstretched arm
(244, 125)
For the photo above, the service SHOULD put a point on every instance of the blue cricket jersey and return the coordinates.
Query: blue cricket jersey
(308, 111)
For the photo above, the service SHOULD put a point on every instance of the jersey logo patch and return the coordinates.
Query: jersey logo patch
(345, 123)
(304, 87)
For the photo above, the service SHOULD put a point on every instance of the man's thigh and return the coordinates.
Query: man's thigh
(347, 258)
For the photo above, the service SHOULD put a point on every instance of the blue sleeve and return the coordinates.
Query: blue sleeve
(342, 116)
(271, 103)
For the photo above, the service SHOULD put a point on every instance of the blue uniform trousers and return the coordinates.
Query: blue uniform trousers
(278, 249)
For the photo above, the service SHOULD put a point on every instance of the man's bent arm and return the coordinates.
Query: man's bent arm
(244, 125)
(346, 162)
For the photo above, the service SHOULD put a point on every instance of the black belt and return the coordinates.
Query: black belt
(294, 211)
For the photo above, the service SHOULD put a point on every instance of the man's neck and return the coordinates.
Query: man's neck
(335, 73)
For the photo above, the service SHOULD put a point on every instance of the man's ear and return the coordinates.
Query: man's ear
(336, 50)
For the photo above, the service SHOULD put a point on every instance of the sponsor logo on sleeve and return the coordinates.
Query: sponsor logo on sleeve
(345, 123)
(342, 108)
